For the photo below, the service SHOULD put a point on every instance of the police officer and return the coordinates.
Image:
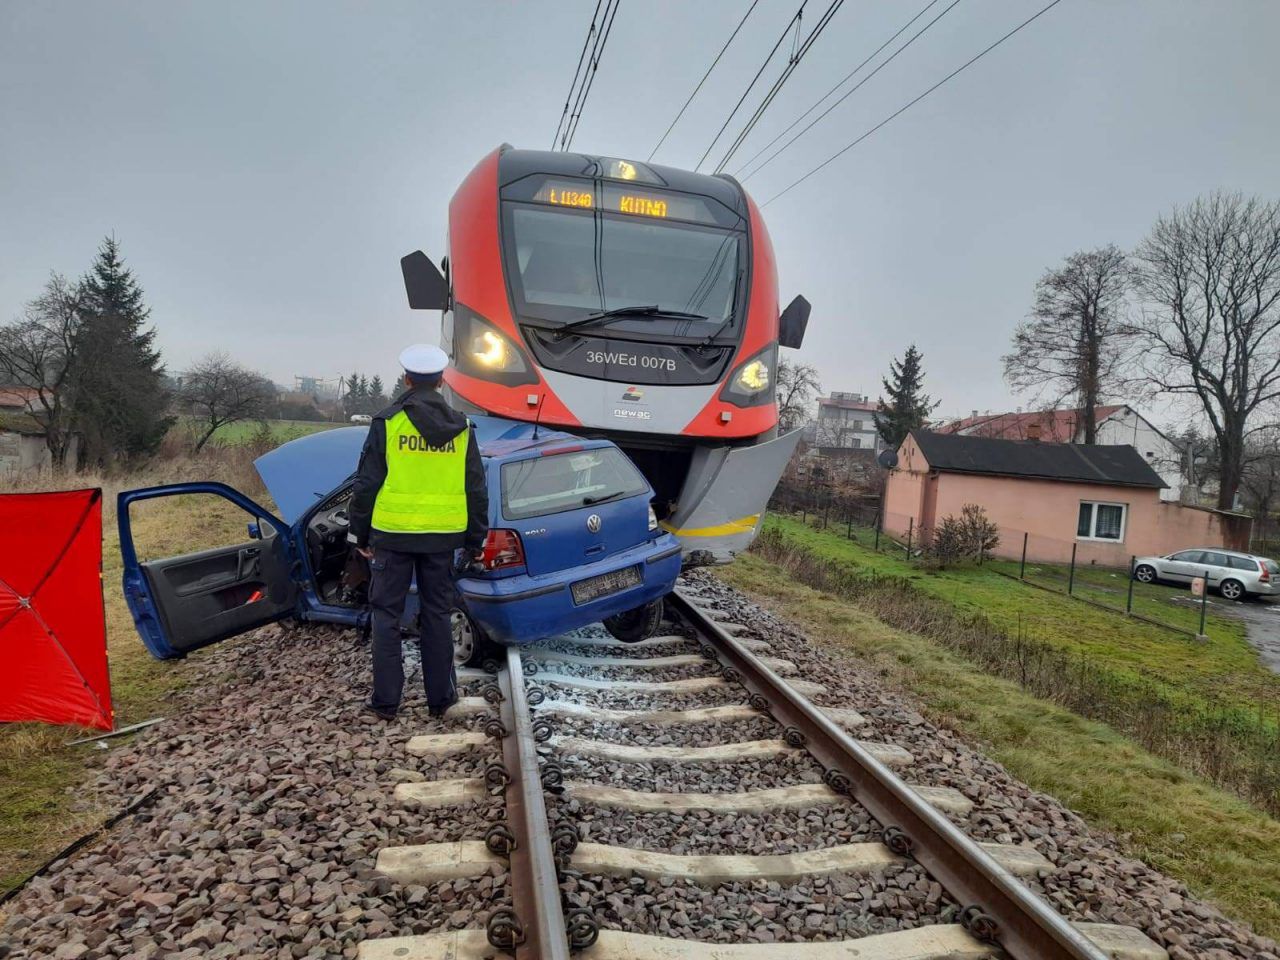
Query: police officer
(419, 496)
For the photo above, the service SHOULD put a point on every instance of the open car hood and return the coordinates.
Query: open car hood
(300, 473)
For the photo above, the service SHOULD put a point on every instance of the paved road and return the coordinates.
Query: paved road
(1261, 622)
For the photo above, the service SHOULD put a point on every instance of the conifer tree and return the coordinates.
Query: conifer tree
(120, 395)
(908, 406)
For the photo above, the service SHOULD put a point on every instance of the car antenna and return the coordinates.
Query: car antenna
(537, 417)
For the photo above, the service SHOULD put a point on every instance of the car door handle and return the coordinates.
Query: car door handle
(250, 557)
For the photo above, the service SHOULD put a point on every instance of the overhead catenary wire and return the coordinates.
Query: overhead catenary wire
(588, 74)
(793, 23)
(911, 103)
(589, 77)
(888, 60)
(847, 77)
(790, 68)
(573, 84)
(664, 136)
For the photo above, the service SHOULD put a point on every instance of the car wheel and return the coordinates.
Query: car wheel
(469, 644)
(1232, 589)
(632, 626)
(1145, 573)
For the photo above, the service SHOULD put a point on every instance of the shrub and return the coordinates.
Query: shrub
(971, 536)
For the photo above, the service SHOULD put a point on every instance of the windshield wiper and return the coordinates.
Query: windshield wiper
(620, 313)
(592, 501)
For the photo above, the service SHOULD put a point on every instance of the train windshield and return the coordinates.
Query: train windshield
(571, 263)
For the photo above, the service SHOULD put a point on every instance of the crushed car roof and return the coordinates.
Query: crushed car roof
(300, 473)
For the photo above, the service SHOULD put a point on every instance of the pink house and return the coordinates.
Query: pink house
(1103, 500)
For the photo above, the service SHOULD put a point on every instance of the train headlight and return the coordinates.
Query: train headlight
(752, 383)
(491, 349)
(754, 377)
(484, 351)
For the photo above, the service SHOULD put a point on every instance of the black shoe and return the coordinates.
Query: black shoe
(380, 712)
(439, 712)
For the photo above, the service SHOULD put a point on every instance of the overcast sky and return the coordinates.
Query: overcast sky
(265, 165)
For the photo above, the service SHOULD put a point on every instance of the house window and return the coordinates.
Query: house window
(1101, 521)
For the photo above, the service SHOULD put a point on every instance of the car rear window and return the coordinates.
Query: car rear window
(567, 481)
(1272, 566)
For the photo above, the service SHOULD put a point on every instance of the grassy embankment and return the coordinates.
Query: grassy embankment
(41, 807)
(1224, 849)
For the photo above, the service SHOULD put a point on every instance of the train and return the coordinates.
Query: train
(625, 300)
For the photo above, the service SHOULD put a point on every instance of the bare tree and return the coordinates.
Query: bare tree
(1210, 276)
(39, 352)
(219, 391)
(1070, 347)
(798, 384)
(1260, 482)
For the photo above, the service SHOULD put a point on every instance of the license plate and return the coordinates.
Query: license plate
(593, 588)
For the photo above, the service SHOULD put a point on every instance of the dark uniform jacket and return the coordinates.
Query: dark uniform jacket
(432, 417)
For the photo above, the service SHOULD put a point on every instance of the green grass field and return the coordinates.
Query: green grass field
(1223, 668)
(279, 431)
(1222, 848)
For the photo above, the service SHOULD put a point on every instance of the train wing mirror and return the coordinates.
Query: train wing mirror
(793, 323)
(424, 283)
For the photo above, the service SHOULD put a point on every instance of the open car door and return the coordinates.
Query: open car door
(182, 603)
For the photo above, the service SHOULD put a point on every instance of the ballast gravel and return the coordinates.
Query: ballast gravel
(667, 777)
(703, 832)
(825, 908)
(1092, 881)
(707, 734)
(275, 795)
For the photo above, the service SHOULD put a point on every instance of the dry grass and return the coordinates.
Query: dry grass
(46, 798)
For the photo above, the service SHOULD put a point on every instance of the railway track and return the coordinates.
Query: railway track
(560, 787)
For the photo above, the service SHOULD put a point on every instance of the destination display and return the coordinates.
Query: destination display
(627, 199)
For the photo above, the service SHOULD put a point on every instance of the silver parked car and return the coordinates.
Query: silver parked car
(1234, 575)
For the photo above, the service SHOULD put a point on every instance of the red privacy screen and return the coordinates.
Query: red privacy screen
(53, 639)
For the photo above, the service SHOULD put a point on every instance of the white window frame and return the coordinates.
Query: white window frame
(1093, 521)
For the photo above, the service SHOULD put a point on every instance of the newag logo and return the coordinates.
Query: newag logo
(419, 445)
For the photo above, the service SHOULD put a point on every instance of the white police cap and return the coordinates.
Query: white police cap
(423, 358)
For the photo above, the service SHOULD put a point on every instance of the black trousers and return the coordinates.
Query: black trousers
(391, 573)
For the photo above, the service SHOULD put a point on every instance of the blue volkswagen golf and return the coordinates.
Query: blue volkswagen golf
(572, 540)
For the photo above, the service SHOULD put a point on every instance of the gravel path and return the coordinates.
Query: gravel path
(1092, 882)
(275, 796)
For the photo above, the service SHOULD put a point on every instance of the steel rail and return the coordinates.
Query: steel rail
(535, 884)
(996, 905)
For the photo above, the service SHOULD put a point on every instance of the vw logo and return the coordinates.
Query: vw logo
(593, 523)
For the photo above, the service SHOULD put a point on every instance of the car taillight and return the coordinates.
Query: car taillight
(1265, 577)
(502, 548)
(653, 519)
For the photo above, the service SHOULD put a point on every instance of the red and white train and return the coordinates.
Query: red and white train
(625, 300)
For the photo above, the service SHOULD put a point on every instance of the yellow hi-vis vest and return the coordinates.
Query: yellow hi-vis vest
(425, 490)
